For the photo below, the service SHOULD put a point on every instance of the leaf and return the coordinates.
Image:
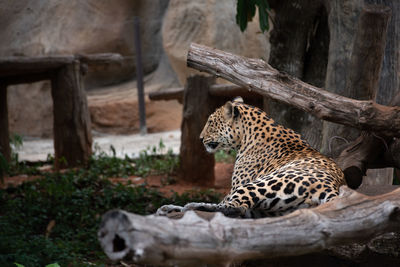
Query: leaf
(241, 14)
(251, 10)
(246, 10)
(53, 265)
(263, 8)
(18, 265)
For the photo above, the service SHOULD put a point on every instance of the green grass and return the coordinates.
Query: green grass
(73, 202)
(225, 157)
(15, 167)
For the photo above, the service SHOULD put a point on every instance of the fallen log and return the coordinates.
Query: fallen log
(220, 240)
(257, 75)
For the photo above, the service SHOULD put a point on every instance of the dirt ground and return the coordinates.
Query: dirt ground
(166, 185)
(170, 185)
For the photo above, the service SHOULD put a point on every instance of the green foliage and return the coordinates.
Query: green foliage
(15, 166)
(246, 10)
(396, 177)
(152, 161)
(15, 141)
(155, 161)
(3, 167)
(48, 265)
(56, 218)
(225, 157)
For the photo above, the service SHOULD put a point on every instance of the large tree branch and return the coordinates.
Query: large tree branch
(259, 76)
(193, 240)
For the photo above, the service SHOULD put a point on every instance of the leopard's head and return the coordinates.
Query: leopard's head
(223, 129)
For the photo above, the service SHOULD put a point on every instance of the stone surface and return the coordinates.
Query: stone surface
(210, 23)
(72, 27)
(115, 110)
(44, 27)
(30, 109)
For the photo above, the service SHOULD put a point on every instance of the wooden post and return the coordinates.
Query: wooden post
(4, 133)
(196, 164)
(139, 78)
(72, 136)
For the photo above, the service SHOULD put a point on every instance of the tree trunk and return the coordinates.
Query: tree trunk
(72, 136)
(343, 17)
(299, 47)
(370, 151)
(196, 165)
(4, 133)
(389, 83)
(363, 75)
(357, 87)
(221, 240)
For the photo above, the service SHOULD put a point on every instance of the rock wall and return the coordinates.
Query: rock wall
(52, 27)
(210, 23)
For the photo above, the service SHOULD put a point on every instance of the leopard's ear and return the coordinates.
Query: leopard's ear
(230, 111)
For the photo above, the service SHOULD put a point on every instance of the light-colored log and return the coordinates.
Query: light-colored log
(259, 76)
(192, 240)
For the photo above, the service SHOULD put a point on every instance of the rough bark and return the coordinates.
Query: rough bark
(370, 151)
(193, 240)
(299, 48)
(362, 78)
(342, 18)
(4, 133)
(196, 165)
(260, 77)
(72, 136)
(389, 83)
(368, 52)
(362, 83)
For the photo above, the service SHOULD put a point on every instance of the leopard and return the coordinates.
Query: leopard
(275, 171)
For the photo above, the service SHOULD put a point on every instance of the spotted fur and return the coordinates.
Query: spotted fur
(276, 171)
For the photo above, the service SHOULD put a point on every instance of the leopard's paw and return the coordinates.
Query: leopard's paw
(166, 209)
(200, 206)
